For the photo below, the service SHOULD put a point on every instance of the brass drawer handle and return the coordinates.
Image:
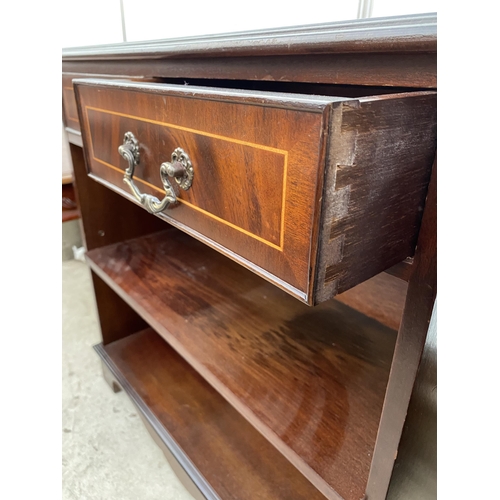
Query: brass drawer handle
(180, 168)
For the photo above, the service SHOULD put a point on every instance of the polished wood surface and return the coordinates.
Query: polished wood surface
(395, 69)
(311, 380)
(259, 160)
(236, 461)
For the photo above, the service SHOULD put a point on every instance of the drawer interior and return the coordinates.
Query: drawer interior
(305, 88)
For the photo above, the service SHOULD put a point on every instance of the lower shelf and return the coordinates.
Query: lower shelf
(218, 449)
(312, 381)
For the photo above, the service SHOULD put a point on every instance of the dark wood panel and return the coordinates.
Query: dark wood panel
(403, 70)
(312, 380)
(415, 469)
(377, 176)
(402, 270)
(116, 318)
(236, 461)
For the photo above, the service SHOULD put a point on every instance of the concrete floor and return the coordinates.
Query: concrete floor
(107, 452)
(71, 237)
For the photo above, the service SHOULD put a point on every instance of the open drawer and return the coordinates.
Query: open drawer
(314, 193)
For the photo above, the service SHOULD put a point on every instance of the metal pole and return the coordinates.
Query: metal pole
(365, 9)
(122, 12)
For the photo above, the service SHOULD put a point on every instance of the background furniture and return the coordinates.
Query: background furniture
(297, 402)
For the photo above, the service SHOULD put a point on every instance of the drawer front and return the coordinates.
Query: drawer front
(257, 165)
(315, 194)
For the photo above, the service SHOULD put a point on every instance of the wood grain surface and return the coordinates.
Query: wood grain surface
(378, 171)
(236, 461)
(394, 69)
(311, 380)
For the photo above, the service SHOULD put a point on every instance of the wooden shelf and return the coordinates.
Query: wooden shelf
(311, 380)
(217, 448)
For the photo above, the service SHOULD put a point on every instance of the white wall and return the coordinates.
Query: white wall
(382, 8)
(100, 21)
(90, 22)
(150, 19)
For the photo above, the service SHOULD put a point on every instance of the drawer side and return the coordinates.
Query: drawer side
(378, 168)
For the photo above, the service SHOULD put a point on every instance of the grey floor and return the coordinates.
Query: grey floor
(107, 452)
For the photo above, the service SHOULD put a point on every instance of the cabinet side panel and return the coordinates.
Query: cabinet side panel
(409, 347)
(108, 218)
(415, 470)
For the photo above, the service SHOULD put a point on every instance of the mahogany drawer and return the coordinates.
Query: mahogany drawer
(314, 193)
